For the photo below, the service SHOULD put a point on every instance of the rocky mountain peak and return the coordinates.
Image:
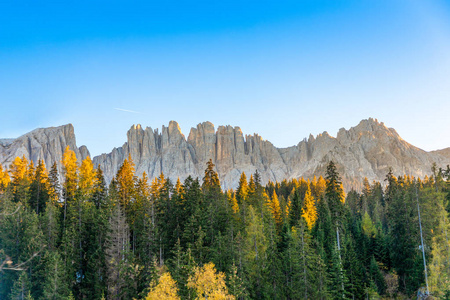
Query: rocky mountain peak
(366, 150)
(46, 144)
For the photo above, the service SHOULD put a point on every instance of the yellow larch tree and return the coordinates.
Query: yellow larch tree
(274, 206)
(179, 189)
(156, 186)
(4, 178)
(165, 289)
(251, 186)
(70, 169)
(309, 210)
(231, 196)
(87, 176)
(242, 190)
(20, 179)
(320, 187)
(126, 181)
(209, 284)
(18, 169)
(343, 193)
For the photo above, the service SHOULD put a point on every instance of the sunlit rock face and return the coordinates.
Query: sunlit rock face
(367, 150)
(47, 144)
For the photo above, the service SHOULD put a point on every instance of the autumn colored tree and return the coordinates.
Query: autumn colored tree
(164, 289)
(87, 178)
(309, 211)
(20, 179)
(209, 284)
(70, 170)
(274, 206)
(126, 182)
(243, 189)
(4, 179)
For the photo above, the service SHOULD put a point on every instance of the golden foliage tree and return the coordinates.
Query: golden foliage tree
(242, 190)
(19, 168)
(4, 178)
(87, 176)
(126, 181)
(209, 284)
(274, 206)
(309, 210)
(251, 186)
(20, 178)
(70, 168)
(165, 289)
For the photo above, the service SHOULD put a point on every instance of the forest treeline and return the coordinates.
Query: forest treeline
(141, 238)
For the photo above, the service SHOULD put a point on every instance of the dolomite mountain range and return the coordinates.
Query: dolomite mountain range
(366, 150)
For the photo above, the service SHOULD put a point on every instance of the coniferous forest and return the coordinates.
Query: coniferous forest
(150, 238)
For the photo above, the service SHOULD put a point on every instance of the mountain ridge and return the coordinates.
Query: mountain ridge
(365, 150)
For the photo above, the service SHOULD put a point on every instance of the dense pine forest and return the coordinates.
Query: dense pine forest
(143, 238)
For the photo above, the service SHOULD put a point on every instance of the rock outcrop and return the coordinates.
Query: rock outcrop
(47, 144)
(367, 150)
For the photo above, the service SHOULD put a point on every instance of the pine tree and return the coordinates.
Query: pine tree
(39, 188)
(54, 186)
(334, 192)
(295, 209)
(51, 226)
(117, 245)
(21, 287)
(236, 286)
(211, 178)
(305, 266)
(55, 285)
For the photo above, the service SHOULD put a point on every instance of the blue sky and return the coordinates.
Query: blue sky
(282, 69)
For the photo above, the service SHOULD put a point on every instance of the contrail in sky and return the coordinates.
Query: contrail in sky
(130, 111)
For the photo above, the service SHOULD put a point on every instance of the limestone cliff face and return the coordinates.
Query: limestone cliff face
(367, 150)
(47, 144)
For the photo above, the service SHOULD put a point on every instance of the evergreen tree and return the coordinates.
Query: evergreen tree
(211, 178)
(21, 287)
(39, 188)
(117, 245)
(55, 286)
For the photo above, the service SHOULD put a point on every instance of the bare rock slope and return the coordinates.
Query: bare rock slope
(47, 144)
(367, 150)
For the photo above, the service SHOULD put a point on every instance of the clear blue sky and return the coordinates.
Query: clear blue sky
(283, 69)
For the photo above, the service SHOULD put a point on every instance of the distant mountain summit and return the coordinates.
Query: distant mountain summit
(47, 144)
(366, 150)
